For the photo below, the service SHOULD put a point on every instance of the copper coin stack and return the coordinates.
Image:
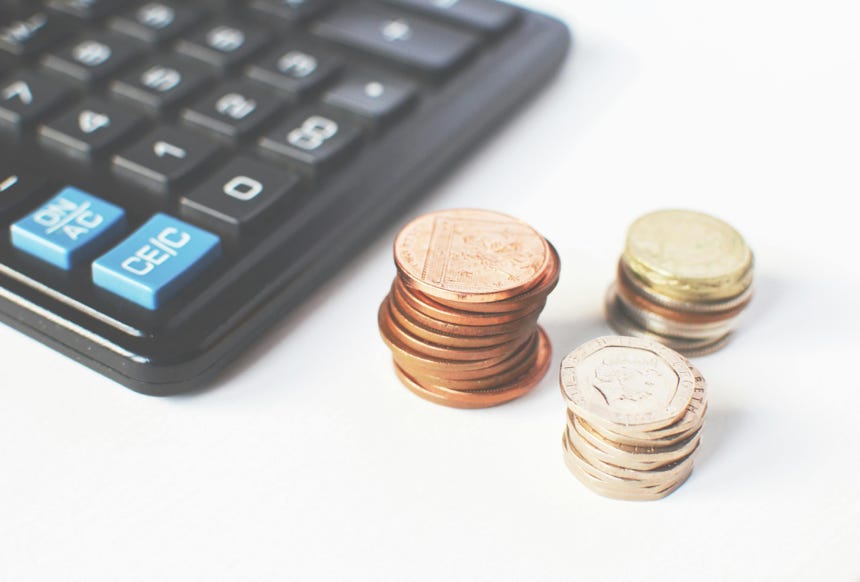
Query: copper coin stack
(684, 280)
(461, 317)
(634, 418)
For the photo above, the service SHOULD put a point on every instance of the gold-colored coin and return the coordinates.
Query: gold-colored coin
(688, 256)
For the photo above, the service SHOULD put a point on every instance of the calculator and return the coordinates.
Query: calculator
(177, 176)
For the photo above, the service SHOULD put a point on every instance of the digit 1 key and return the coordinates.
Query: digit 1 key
(164, 159)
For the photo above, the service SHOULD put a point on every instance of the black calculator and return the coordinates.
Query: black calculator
(176, 176)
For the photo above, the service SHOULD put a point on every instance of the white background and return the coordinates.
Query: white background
(310, 462)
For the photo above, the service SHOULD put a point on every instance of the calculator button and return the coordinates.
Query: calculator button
(157, 261)
(372, 96)
(313, 140)
(289, 10)
(26, 97)
(16, 188)
(164, 159)
(483, 15)
(236, 109)
(156, 22)
(86, 9)
(89, 129)
(69, 229)
(161, 84)
(296, 68)
(92, 58)
(224, 45)
(239, 196)
(409, 40)
(31, 34)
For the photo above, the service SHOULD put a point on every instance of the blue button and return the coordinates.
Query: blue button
(72, 227)
(157, 261)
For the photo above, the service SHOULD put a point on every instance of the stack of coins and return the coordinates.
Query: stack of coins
(684, 279)
(461, 317)
(634, 418)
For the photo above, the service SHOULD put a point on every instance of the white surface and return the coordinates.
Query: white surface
(313, 463)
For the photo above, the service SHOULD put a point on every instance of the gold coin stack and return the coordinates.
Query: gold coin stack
(684, 280)
(634, 418)
(461, 317)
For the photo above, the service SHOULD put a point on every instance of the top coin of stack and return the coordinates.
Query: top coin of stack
(683, 280)
(461, 317)
(635, 414)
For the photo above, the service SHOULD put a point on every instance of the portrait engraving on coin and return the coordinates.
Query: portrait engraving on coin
(626, 381)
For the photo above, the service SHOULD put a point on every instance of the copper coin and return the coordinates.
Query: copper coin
(401, 351)
(628, 292)
(419, 346)
(485, 399)
(450, 371)
(453, 325)
(516, 367)
(537, 293)
(406, 321)
(472, 256)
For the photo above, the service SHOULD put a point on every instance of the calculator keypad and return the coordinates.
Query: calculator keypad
(166, 159)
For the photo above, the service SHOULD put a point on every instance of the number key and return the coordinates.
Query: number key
(27, 97)
(239, 196)
(295, 67)
(236, 109)
(161, 84)
(93, 58)
(314, 141)
(31, 34)
(156, 22)
(165, 159)
(224, 45)
(89, 129)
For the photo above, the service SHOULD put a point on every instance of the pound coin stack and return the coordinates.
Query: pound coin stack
(684, 280)
(634, 418)
(461, 317)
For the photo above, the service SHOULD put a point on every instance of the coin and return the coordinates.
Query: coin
(483, 398)
(684, 279)
(621, 323)
(635, 412)
(461, 316)
(470, 256)
(688, 255)
(627, 381)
